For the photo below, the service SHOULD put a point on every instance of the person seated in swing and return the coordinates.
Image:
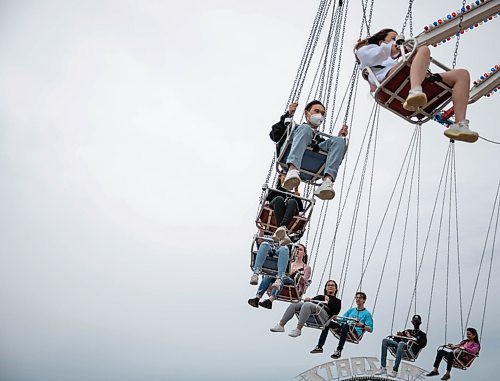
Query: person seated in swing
(307, 308)
(401, 342)
(469, 348)
(380, 53)
(305, 135)
(363, 323)
(285, 207)
(264, 249)
(299, 268)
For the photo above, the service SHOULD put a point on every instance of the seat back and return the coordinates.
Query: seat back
(270, 266)
(316, 320)
(267, 221)
(313, 163)
(352, 335)
(410, 353)
(462, 359)
(393, 91)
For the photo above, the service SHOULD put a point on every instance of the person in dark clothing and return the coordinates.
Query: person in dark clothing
(306, 135)
(401, 341)
(285, 207)
(364, 322)
(307, 308)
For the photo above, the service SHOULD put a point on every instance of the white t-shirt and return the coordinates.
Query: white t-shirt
(371, 55)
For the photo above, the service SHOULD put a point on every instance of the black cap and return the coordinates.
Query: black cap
(417, 318)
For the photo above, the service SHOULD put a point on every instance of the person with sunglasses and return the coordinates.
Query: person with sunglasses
(380, 53)
(308, 307)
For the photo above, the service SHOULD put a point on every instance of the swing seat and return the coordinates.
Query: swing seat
(392, 92)
(270, 266)
(313, 163)
(410, 353)
(267, 221)
(352, 336)
(291, 293)
(462, 359)
(316, 320)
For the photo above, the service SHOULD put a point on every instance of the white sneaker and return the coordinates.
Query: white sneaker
(295, 332)
(280, 233)
(460, 131)
(277, 284)
(278, 328)
(285, 241)
(381, 371)
(393, 373)
(325, 190)
(415, 99)
(254, 280)
(292, 179)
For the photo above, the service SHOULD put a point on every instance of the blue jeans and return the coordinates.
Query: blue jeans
(267, 281)
(335, 148)
(263, 252)
(386, 343)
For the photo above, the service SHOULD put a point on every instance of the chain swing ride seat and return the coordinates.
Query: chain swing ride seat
(462, 359)
(266, 219)
(292, 293)
(393, 90)
(315, 320)
(412, 350)
(352, 336)
(270, 266)
(313, 163)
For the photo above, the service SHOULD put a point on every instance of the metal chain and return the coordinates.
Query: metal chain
(459, 33)
(491, 264)
(409, 16)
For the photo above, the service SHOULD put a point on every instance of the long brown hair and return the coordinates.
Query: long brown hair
(336, 287)
(375, 39)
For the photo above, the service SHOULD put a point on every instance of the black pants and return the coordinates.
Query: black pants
(449, 357)
(344, 330)
(284, 211)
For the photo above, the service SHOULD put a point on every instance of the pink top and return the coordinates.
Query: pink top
(470, 346)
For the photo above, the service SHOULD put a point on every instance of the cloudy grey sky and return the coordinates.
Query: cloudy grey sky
(133, 144)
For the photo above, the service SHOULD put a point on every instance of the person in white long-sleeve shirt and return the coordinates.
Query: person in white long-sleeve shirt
(380, 53)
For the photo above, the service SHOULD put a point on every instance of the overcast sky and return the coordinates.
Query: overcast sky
(133, 145)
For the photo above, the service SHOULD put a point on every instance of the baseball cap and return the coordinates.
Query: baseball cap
(416, 318)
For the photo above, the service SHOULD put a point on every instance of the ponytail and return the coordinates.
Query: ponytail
(359, 44)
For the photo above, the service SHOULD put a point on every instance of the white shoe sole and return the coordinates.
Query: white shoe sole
(291, 183)
(412, 103)
(469, 137)
(325, 194)
(279, 234)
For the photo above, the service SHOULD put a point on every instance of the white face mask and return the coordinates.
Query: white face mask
(316, 119)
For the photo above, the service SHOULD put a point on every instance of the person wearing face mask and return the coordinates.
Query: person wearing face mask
(380, 53)
(306, 135)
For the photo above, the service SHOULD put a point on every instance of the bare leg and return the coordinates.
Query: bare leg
(419, 66)
(459, 80)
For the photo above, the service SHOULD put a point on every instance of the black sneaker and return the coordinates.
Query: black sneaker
(336, 354)
(317, 349)
(432, 373)
(266, 304)
(254, 302)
